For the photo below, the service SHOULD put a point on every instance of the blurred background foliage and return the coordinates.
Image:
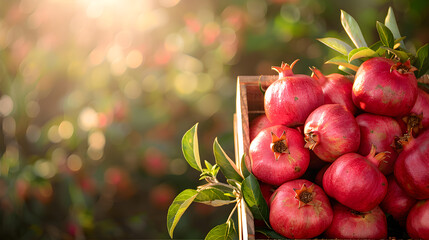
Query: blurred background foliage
(95, 96)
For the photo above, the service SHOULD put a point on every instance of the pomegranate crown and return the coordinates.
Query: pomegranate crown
(317, 75)
(285, 69)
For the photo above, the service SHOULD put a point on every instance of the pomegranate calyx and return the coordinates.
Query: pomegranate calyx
(279, 145)
(304, 195)
(317, 75)
(311, 140)
(414, 122)
(285, 69)
(403, 68)
(400, 142)
(377, 158)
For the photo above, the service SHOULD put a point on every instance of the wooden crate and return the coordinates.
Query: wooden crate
(249, 104)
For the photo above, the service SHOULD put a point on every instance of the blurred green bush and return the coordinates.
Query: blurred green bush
(96, 95)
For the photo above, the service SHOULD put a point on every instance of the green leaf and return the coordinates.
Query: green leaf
(376, 45)
(346, 70)
(244, 169)
(178, 207)
(363, 52)
(403, 56)
(342, 61)
(352, 29)
(224, 231)
(386, 36)
(227, 166)
(390, 22)
(422, 60)
(254, 199)
(190, 148)
(213, 197)
(336, 44)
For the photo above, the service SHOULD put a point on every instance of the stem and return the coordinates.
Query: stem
(233, 210)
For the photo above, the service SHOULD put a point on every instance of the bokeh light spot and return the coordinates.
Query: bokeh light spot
(32, 109)
(65, 129)
(95, 154)
(33, 133)
(178, 166)
(134, 59)
(185, 83)
(53, 134)
(9, 126)
(44, 168)
(74, 163)
(96, 140)
(6, 105)
(88, 119)
(209, 104)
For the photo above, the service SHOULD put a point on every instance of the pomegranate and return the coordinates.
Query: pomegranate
(418, 220)
(300, 209)
(385, 87)
(348, 223)
(379, 131)
(290, 99)
(396, 202)
(331, 131)
(319, 175)
(412, 166)
(355, 181)
(257, 124)
(266, 190)
(336, 88)
(277, 155)
(418, 119)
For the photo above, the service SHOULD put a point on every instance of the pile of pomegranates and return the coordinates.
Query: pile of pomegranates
(371, 135)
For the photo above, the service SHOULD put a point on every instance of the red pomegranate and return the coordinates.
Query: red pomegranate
(300, 209)
(257, 124)
(331, 131)
(336, 88)
(278, 155)
(290, 99)
(348, 223)
(418, 119)
(379, 131)
(418, 220)
(396, 202)
(354, 181)
(412, 166)
(385, 87)
(267, 190)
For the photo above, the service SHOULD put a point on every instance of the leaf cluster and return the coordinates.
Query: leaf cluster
(240, 187)
(391, 45)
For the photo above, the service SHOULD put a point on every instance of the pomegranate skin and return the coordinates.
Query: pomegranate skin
(292, 221)
(336, 89)
(331, 131)
(379, 131)
(418, 220)
(380, 89)
(396, 202)
(412, 167)
(422, 107)
(348, 223)
(290, 99)
(288, 166)
(257, 124)
(355, 182)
